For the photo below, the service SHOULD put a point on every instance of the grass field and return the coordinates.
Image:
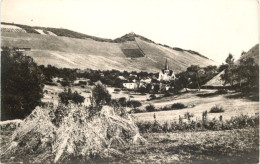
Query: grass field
(233, 106)
(235, 146)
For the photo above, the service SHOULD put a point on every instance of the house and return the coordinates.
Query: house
(148, 80)
(121, 77)
(166, 74)
(130, 85)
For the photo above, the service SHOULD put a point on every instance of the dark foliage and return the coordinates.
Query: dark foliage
(216, 109)
(67, 95)
(178, 106)
(22, 85)
(238, 122)
(101, 95)
(133, 103)
(150, 108)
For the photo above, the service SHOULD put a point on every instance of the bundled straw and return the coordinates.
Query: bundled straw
(62, 133)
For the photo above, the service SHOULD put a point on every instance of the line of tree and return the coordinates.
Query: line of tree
(243, 75)
(194, 77)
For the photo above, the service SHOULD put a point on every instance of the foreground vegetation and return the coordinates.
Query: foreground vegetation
(229, 146)
(186, 124)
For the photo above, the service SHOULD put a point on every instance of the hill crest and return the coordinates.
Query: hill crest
(66, 48)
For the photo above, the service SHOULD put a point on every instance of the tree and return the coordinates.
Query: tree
(67, 95)
(22, 84)
(248, 71)
(228, 75)
(77, 98)
(156, 88)
(195, 73)
(101, 95)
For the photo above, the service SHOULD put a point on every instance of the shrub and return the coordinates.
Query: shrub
(136, 110)
(101, 95)
(178, 106)
(77, 98)
(134, 103)
(50, 83)
(152, 97)
(167, 94)
(22, 85)
(67, 95)
(188, 115)
(150, 108)
(82, 82)
(65, 83)
(122, 101)
(216, 109)
(166, 108)
(238, 122)
(117, 90)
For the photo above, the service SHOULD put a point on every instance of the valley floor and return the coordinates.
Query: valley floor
(233, 104)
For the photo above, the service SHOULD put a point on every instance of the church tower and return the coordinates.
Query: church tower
(166, 67)
(166, 74)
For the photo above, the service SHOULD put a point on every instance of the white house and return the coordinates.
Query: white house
(130, 85)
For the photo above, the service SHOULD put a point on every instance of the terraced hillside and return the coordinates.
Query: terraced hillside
(131, 52)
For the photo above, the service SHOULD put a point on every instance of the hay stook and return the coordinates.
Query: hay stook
(59, 134)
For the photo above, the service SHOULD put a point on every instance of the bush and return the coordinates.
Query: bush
(67, 95)
(188, 115)
(165, 108)
(65, 83)
(21, 83)
(167, 94)
(136, 110)
(50, 83)
(152, 97)
(178, 106)
(238, 122)
(216, 109)
(117, 90)
(82, 82)
(150, 108)
(122, 101)
(134, 103)
(101, 95)
(77, 98)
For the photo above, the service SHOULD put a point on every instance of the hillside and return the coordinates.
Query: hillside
(253, 53)
(66, 48)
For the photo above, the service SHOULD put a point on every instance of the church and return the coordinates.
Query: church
(166, 74)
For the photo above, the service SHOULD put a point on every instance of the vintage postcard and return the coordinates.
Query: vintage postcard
(133, 81)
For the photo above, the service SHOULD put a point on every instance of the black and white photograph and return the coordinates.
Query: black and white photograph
(129, 82)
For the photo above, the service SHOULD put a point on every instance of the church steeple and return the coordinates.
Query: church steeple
(166, 65)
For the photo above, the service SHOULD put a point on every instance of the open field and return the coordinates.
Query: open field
(231, 102)
(232, 106)
(235, 146)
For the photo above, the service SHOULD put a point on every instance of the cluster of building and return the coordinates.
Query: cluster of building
(166, 76)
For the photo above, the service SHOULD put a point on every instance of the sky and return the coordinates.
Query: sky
(213, 28)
